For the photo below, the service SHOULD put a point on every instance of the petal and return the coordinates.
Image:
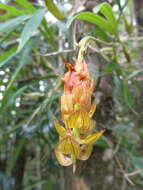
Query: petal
(92, 138)
(81, 95)
(85, 152)
(86, 132)
(79, 119)
(67, 103)
(69, 146)
(60, 129)
(62, 159)
(92, 110)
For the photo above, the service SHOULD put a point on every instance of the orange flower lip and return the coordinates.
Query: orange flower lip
(76, 75)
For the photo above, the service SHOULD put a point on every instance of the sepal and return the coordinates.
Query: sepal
(60, 129)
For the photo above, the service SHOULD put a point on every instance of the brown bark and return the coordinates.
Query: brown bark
(139, 14)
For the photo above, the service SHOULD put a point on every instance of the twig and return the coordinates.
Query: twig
(55, 53)
(123, 171)
(134, 173)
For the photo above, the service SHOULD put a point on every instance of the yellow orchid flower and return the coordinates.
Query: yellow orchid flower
(76, 138)
(70, 145)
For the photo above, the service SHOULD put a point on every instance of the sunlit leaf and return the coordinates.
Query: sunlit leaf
(27, 5)
(93, 18)
(106, 9)
(11, 11)
(54, 9)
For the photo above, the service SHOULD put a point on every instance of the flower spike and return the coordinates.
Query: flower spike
(76, 137)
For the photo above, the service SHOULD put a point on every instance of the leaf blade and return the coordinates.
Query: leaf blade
(54, 9)
(92, 18)
(30, 27)
(12, 23)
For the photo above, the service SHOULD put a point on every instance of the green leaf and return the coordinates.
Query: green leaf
(54, 9)
(107, 11)
(31, 27)
(128, 96)
(12, 24)
(27, 5)
(98, 32)
(17, 151)
(6, 61)
(11, 11)
(93, 18)
(48, 33)
(134, 73)
(112, 67)
(6, 55)
(108, 23)
(23, 61)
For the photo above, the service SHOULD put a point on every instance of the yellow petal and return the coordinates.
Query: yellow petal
(60, 129)
(69, 146)
(82, 95)
(67, 103)
(79, 119)
(62, 159)
(92, 138)
(92, 110)
(85, 151)
(87, 132)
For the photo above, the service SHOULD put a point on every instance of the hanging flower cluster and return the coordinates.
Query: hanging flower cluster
(76, 136)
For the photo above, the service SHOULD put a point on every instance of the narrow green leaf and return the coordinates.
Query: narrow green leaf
(128, 96)
(54, 9)
(17, 151)
(7, 53)
(93, 18)
(112, 67)
(11, 11)
(48, 33)
(27, 5)
(12, 24)
(8, 58)
(134, 73)
(23, 61)
(31, 27)
(98, 32)
(107, 11)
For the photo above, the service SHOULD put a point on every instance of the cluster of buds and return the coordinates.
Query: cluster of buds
(76, 136)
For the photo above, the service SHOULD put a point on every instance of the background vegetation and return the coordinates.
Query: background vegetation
(36, 37)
